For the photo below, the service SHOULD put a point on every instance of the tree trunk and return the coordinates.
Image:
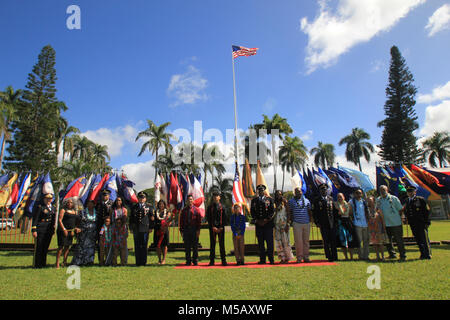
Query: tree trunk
(359, 163)
(282, 185)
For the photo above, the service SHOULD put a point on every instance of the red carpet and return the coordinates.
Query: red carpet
(232, 265)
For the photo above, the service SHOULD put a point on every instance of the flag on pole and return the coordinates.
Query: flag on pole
(84, 193)
(111, 186)
(247, 183)
(128, 191)
(6, 190)
(157, 189)
(196, 191)
(243, 51)
(74, 192)
(261, 180)
(238, 193)
(97, 187)
(23, 188)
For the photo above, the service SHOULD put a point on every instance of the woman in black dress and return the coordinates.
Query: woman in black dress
(67, 228)
(161, 235)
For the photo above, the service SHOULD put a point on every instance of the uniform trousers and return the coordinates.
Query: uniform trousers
(265, 234)
(42, 242)
(329, 242)
(420, 235)
(141, 247)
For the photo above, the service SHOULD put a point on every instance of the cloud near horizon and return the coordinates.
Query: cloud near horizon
(334, 32)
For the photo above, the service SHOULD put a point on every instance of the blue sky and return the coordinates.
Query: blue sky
(321, 64)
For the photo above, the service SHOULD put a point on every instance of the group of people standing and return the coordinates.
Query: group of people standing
(353, 224)
(100, 228)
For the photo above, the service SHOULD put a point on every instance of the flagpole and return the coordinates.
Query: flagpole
(235, 112)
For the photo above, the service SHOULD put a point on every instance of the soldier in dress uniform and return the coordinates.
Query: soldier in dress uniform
(43, 228)
(417, 213)
(103, 209)
(141, 223)
(262, 211)
(216, 217)
(325, 216)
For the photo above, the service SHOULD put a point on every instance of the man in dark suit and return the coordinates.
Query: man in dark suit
(417, 213)
(141, 221)
(262, 211)
(216, 217)
(190, 223)
(325, 217)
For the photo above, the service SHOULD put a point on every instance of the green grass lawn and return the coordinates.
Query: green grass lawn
(413, 279)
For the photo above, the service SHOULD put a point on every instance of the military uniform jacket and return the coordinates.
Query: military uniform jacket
(44, 218)
(417, 211)
(103, 210)
(140, 217)
(216, 215)
(324, 213)
(261, 209)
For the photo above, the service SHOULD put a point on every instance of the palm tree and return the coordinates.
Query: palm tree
(293, 155)
(225, 186)
(82, 148)
(262, 152)
(164, 164)
(437, 147)
(271, 125)
(99, 155)
(62, 134)
(212, 161)
(8, 101)
(158, 137)
(323, 154)
(357, 147)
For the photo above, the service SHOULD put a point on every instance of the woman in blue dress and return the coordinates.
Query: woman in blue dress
(85, 251)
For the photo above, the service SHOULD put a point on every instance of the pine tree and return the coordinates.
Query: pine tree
(38, 112)
(398, 143)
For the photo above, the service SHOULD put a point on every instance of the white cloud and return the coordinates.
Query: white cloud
(187, 88)
(438, 93)
(141, 173)
(332, 34)
(440, 20)
(307, 135)
(437, 118)
(114, 138)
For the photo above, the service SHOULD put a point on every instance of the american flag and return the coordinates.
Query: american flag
(238, 194)
(243, 51)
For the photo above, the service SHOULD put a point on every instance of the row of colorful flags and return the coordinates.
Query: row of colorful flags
(20, 192)
(430, 184)
(174, 189)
